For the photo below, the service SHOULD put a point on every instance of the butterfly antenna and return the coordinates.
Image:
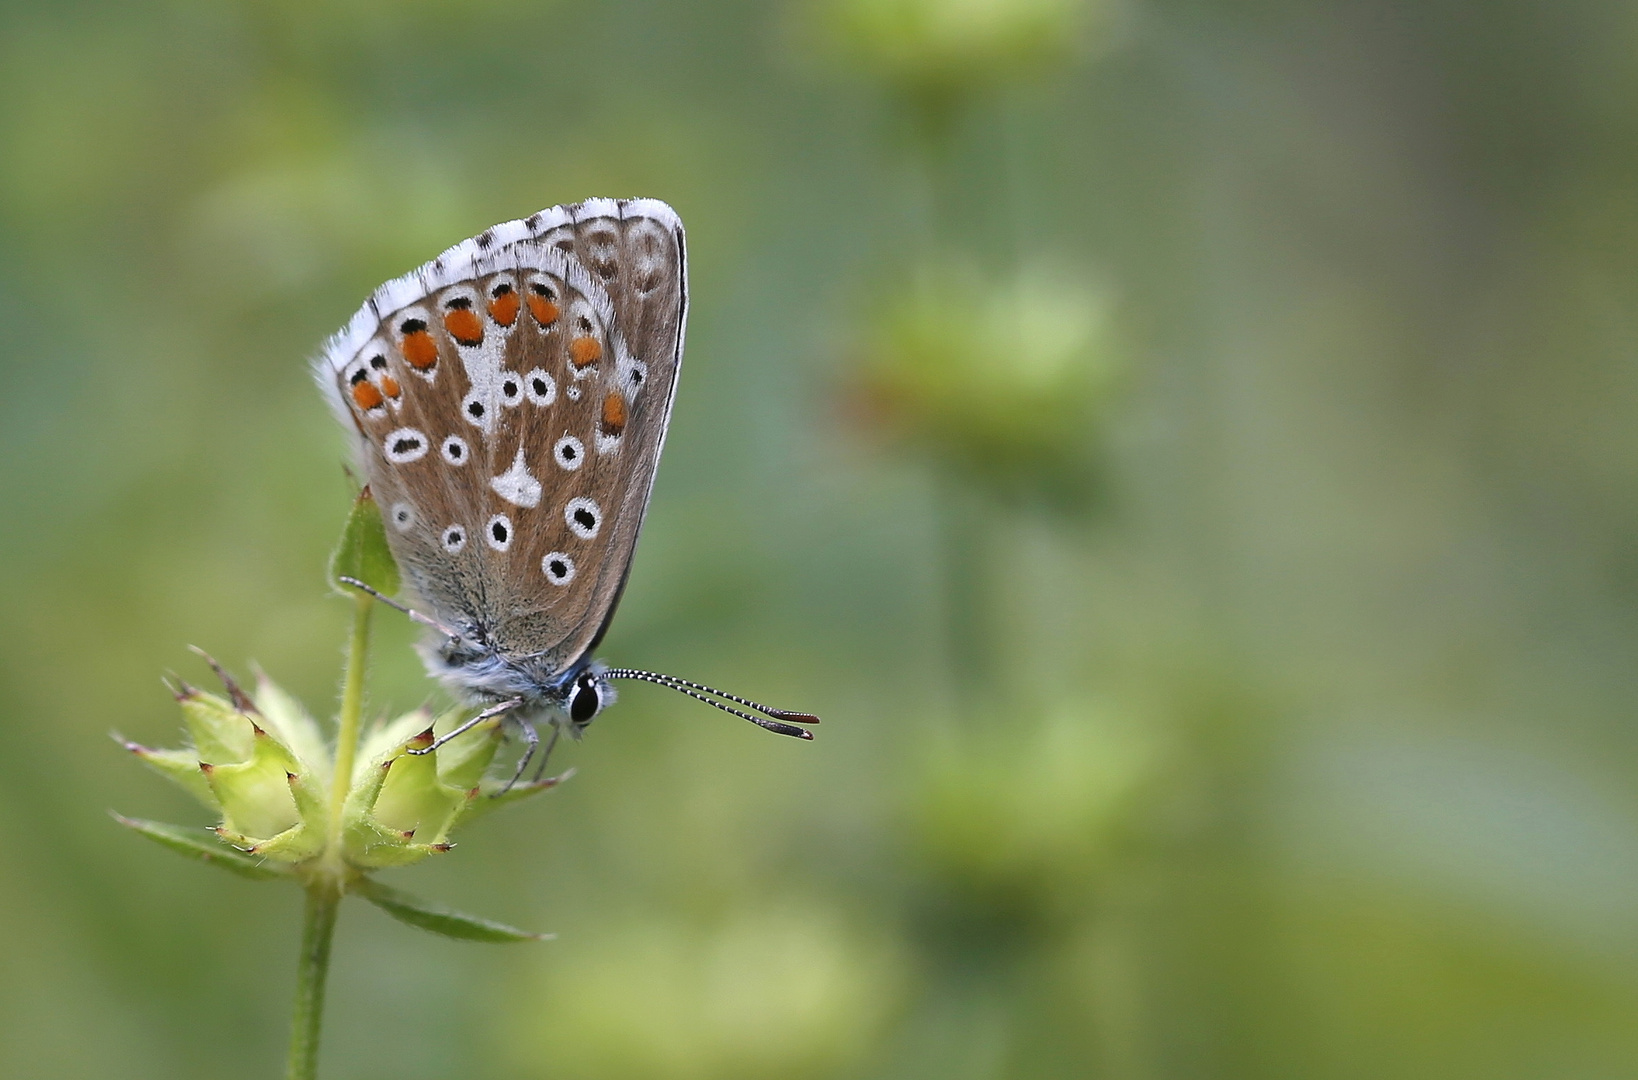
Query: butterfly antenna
(698, 692)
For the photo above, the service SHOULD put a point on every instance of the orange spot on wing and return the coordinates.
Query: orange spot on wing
(464, 326)
(390, 387)
(420, 350)
(366, 396)
(584, 352)
(504, 308)
(544, 311)
(614, 414)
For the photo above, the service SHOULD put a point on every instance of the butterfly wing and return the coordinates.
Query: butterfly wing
(511, 399)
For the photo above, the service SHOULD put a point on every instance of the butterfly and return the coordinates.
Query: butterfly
(509, 401)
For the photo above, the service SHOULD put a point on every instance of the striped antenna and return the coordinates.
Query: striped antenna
(700, 692)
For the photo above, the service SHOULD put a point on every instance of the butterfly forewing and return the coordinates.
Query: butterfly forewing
(512, 398)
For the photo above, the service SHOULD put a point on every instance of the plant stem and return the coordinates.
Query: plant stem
(352, 708)
(329, 881)
(317, 931)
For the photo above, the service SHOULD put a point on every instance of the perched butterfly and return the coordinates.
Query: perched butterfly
(510, 399)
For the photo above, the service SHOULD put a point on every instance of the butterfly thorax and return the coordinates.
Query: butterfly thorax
(483, 674)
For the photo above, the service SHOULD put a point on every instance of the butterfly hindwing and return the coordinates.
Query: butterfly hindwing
(512, 398)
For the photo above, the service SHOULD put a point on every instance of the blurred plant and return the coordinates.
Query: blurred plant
(324, 815)
(938, 52)
(787, 990)
(998, 383)
(1020, 823)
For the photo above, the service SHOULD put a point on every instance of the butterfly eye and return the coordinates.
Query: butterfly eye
(587, 700)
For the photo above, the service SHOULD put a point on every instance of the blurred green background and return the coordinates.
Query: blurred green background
(1185, 449)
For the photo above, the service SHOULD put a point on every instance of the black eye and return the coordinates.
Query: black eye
(475, 408)
(586, 700)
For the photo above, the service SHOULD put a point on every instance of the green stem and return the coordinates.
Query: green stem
(352, 708)
(329, 880)
(317, 931)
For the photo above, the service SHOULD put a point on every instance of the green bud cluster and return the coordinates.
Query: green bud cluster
(260, 762)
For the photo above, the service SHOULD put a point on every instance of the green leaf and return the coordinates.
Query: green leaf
(189, 842)
(221, 734)
(437, 918)
(180, 767)
(285, 717)
(363, 553)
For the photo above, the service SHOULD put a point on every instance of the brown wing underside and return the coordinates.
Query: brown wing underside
(539, 394)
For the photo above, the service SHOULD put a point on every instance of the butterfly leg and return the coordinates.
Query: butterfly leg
(533, 738)
(425, 620)
(488, 714)
(540, 770)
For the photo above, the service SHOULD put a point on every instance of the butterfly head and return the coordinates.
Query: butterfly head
(589, 694)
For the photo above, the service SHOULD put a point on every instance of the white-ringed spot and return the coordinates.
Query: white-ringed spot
(569, 452)
(454, 539)
(455, 450)
(404, 446)
(474, 409)
(558, 568)
(403, 516)
(511, 389)
(498, 533)
(583, 518)
(540, 386)
(574, 393)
